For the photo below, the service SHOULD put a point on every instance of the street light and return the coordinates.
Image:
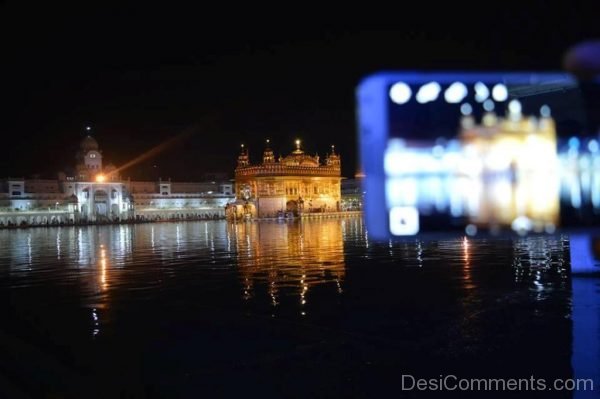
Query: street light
(100, 178)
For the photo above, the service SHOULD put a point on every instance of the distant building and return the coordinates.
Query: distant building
(95, 192)
(352, 194)
(296, 183)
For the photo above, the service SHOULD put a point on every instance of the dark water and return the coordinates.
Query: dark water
(312, 309)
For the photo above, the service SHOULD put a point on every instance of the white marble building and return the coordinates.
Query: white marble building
(96, 193)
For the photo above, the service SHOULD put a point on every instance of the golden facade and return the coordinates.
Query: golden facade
(294, 184)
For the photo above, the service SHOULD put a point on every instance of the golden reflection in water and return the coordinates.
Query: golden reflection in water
(467, 266)
(103, 283)
(291, 256)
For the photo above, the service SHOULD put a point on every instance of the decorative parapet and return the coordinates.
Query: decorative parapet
(285, 170)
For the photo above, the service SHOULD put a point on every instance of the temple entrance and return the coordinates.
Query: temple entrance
(100, 203)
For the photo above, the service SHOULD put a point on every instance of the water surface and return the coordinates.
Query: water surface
(286, 309)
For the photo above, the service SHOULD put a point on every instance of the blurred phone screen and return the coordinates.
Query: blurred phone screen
(473, 152)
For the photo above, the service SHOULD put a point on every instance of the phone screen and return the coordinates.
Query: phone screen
(480, 152)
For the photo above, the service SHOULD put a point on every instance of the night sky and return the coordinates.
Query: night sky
(141, 75)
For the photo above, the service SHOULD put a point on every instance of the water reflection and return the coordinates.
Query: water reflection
(389, 303)
(289, 258)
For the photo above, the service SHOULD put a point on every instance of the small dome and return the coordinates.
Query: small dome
(309, 162)
(89, 143)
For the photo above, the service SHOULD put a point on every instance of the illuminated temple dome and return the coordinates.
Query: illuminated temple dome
(296, 183)
(299, 158)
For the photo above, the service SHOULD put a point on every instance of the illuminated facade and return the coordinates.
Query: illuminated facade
(95, 192)
(295, 184)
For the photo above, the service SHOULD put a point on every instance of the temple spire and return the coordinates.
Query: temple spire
(243, 158)
(333, 159)
(298, 149)
(268, 155)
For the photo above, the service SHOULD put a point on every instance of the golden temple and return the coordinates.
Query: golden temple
(297, 183)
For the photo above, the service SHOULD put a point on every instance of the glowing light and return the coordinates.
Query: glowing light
(499, 92)
(428, 92)
(514, 107)
(545, 111)
(157, 149)
(400, 93)
(593, 146)
(522, 224)
(88, 128)
(466, 109)
(574, 142)
(100, 178)
(455, 93)
(488, 105)
(404, 220)
(481, 92)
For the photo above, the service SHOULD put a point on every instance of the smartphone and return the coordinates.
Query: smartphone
(476, 152)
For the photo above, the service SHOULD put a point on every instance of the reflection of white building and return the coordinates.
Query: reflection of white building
(494, 173)
(95, 192)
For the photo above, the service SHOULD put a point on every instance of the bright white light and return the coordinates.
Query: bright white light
(392, 162)
(400, 93)
(455, 93)
(499, 92)
(593, 146)
(428, 92)
(488, 105)
(522, 224)
(514, 107)
(404, 220)
(88, 128)
(481, 92)
(466, 109)
(545, 111)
